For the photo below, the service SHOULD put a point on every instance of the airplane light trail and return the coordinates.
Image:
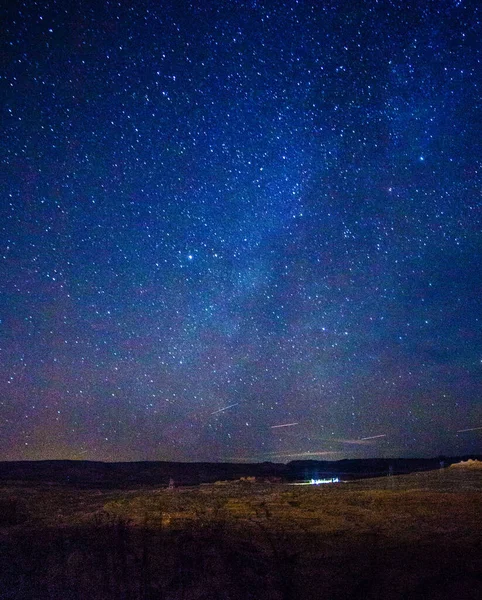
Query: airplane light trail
(283, 425)
(352, 442)
(306, 454)
(283, 455)
(224, 408)
(469, 429)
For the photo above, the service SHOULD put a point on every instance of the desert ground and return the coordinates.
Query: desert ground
(416, 536)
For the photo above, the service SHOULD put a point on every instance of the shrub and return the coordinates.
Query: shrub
(13, 511)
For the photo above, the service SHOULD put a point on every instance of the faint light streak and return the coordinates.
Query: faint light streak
(469, 429)
(283, 425)
(356, 442)
(224, 408)
(374, 437)
(289, 454)
(306, 454)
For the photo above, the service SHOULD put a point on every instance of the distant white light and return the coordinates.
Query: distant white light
(321, 481)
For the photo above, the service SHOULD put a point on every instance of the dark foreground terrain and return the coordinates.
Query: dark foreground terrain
(416, 536)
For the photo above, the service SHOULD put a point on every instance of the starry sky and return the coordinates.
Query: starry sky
(240, 230)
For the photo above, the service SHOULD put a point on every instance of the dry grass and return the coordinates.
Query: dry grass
(414, 536)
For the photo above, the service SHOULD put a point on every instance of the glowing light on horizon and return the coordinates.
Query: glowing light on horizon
(323, 481)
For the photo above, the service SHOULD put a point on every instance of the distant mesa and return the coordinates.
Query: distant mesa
(249, 480)
(467, 464)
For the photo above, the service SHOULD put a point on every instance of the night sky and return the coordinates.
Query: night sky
(218, 218)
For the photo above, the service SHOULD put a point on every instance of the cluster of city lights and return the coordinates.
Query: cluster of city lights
(320, 481)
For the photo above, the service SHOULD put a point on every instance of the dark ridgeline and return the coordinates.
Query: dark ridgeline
(145, 473)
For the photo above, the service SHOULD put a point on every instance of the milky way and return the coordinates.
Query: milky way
(240, 230)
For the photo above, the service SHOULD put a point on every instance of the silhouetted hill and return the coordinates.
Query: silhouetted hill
(369, 467)
(129, 474)
(125, 474)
